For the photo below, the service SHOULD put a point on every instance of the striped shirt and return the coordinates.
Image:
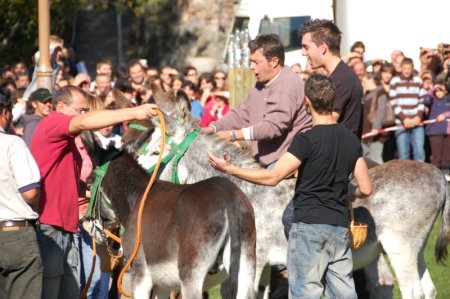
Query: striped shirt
(407, 97)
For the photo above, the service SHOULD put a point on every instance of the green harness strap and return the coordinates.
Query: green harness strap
(176, 153)
(96, 190)
(137, 127)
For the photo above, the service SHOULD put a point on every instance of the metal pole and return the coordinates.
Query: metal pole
(44, 71)
(119, 39)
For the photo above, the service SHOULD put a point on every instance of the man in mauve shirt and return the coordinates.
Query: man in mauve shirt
(274, 111)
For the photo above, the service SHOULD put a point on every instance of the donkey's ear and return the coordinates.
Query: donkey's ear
(132, 147)
(170, 123)
(120, 99)
(183, 107)
(159, 96)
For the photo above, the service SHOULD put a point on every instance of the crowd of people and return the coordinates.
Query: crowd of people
(289, 110)
(396, 93)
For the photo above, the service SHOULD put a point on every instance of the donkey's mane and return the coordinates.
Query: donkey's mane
(179, 123)
(239, 156)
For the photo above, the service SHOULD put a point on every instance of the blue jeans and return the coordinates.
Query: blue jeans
(414, 137)
(319, 257)
(60, 257)
(96, 289)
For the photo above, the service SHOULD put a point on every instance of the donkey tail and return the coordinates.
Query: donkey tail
(242, 245)
(233, 215)
(440, 250)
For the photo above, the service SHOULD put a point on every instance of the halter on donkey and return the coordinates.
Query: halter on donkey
(186, 228)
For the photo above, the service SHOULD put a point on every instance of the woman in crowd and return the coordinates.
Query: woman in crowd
(375, 99)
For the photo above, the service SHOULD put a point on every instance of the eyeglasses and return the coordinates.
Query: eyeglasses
(192, 74)
(219, 78)
(80, 110)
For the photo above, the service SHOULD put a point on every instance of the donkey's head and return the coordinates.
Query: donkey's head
(105, 214)
(178, 124)
(176, 105)
(135, 127)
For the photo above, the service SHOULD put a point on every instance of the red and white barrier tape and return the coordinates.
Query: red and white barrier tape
(395, 128)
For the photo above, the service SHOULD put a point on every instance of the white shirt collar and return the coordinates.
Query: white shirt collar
(273, 79)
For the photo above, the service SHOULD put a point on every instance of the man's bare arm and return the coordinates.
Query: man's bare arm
(363, 182)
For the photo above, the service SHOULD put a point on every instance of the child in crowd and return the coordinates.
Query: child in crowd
(407, 95)
(439, 132)
(217, 110)
(196, 107)
(108, 139)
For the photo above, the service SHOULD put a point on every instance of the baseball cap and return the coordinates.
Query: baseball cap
(41, 95)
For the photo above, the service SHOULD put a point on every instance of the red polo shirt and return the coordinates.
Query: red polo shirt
(59, 162)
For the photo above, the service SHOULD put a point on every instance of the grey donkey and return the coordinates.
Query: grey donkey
(407, 197)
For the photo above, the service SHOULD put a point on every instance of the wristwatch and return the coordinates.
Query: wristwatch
(232, 136)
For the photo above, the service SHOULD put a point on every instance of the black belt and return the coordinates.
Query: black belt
(20, 223)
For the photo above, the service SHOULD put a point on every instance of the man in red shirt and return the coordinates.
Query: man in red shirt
(53, 147)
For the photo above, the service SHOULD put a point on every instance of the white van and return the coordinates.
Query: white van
(283, 17)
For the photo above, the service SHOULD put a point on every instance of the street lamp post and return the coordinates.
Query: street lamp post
(44, 71)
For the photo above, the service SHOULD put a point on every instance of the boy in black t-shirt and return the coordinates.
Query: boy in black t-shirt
(319, 245)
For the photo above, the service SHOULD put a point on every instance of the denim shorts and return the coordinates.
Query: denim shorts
(320, 262)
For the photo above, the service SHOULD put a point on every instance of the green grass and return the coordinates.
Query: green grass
(440, 274)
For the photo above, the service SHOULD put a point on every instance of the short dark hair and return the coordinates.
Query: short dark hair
(5, 100)
(134, 63)
(187, 69)
(320, 90)
(208, 77)
(124, 86)
(190, 85)
(388, 67)
(104, 62)
(271, 46)
(324, 31)
(65, 94)
(407, 60)
(357, 44)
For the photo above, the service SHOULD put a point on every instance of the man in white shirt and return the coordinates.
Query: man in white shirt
(20, 262)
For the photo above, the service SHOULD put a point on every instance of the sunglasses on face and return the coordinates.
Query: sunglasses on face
(219, 78)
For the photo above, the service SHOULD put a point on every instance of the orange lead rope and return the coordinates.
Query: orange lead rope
(141, 207)
(88, 282)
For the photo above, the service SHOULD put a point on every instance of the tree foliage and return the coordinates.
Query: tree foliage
(19, 22)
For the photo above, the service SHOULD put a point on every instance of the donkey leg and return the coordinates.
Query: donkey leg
(246, 276)
(193, 267)
(380, 282)
(141, 280)
(404, 261)
(192, 287)
(427, 284)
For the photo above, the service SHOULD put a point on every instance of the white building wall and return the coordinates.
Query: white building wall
(386, 25)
